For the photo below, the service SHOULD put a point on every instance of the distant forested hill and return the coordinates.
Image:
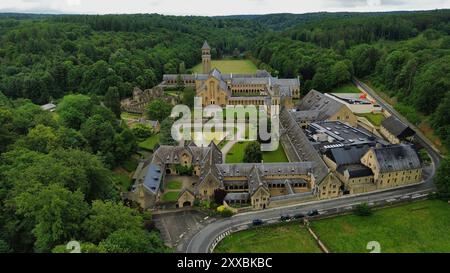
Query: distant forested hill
(46, 57)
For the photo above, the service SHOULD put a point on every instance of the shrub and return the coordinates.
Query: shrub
(226, 212)
(363, 210)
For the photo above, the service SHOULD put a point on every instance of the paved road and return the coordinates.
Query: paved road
(204, 239)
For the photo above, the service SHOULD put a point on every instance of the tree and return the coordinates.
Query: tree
(74, 110)
(188, 97)
(158, 110)
(442, 179)
(112, 100)
(99, 133)
(57, 212)
(133, 241)
(7, 134)
(363, 210)
(125, 145)
(141, 131)
(252, 153)
(41, 139)
(108, 217)
(180, 83)
(165, 135)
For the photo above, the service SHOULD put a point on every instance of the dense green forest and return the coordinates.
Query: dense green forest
(56, 178)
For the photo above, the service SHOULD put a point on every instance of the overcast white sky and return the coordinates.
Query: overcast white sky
(214, 7)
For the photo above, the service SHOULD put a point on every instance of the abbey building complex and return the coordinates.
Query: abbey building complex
(331, 151)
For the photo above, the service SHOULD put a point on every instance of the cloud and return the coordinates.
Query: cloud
(214, 7)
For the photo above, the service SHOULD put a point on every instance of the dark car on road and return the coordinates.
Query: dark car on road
(258, 222)
(299, 216)
(313, 213)
(285, 218)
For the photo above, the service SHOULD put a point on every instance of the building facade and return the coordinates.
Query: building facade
(216, 88)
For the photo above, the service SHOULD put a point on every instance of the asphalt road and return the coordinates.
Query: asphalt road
(206, 238)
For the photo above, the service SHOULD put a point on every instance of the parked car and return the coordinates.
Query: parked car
(285, 218)
(299, 216)
(258, 222)
(313, 213)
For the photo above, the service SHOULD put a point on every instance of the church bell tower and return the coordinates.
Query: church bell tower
(206, 58)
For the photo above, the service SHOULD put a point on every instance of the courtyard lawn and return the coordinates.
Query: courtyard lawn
(276, 156)
(283, 238)
(150, 143)
(375, 119)
(348, 88)
(130, 164)
(417, 227)
(236, 154)
(174, 185)
(170, 196)
(230, 66)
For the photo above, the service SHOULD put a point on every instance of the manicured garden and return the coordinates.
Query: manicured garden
(375, 119)
(150, 143)
(230, 66)
(411, 228)
(170, 196)
(236, 154)
(283, 238)
(276, 156)
(174, 185)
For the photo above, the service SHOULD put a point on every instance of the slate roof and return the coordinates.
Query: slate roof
(301, 145)
(153, 178)
(237, 196)
(347, 155)
(206, 45)
(316, 101)
(397, 158)
(355, 170)
(397, 127)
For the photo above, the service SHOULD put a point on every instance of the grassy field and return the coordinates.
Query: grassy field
(284, 238)
(230, 66)
(276, 156)
(236, 154)
(348, 88)
(417, 227)
(375, 119)
(123, 181)
(149, 143)
(170, 196)
(174, 185)
(411, 228)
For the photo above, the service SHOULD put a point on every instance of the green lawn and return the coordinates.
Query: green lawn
(130, 164)
(174, 185)
(230, 66)
(276, 156)
(375, 119)
(348, 88)
(283, 238)
(418, 227)
(236, 154)
(411, 228)
(149, 143)
(123, 182)
(170, 196)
